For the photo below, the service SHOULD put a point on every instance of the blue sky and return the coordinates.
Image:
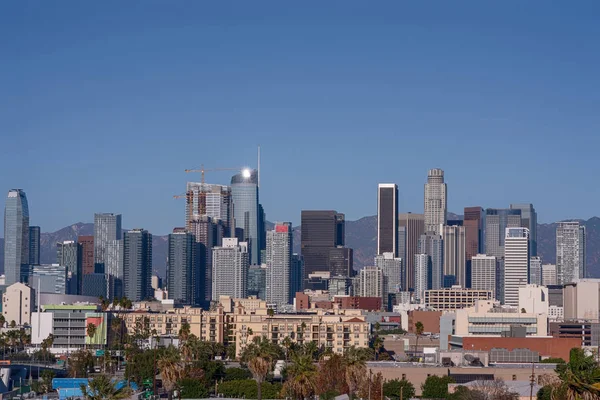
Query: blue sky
(104, 104)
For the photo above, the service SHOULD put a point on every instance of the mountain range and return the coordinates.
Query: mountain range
(361, 235)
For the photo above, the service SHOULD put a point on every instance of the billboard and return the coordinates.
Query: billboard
(99, 320)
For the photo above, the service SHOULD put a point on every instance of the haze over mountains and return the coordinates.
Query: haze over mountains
(361, 235)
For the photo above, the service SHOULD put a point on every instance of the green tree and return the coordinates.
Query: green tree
(356, 368)
(395, 387)
(331, 380)
(44, 384)
(2, 321)
(91, 330)
(377, 327)
(436, 387)
(249, 389)
(80, 363)
(13, 324)
(102, 388)
(419, 328)
(237, 374)
(553, 360)
(302, 377)
(193, 389)
(579, 378)
(377, 345)
(259, 356)
(171, 368)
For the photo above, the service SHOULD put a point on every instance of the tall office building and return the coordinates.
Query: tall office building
(454, 260)
(114, 269)
(49, 278)
(483, 272)
(413, 226)
(279, 262)
(137, 265)
(296, 276)
(244, 191)
(94, 285)
(69, 254)
(207, 234)
(16, 237)
(496, 222)
(209, 200)
(433, 245)
(422, 267)
(183, 268)
(87, 251)
(371, 282)
(107, 227)
(529, 221)
(257, 281)
(535, 270)
(262, 230)
(473, 223)
(436, 202)
(392, 274)
(570, 252)
(387, 218)
(402, 243)
(230, 269)
(549, 274)
(322, 233)
(516, 263)
(341, 261)
(34, 245)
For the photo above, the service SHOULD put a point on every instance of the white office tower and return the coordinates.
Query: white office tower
(230, 269)
(483, 273)
(535, 270)
(371, 282)
(279, 259)
(421, 276)
(533, 299)
(436, 204)
(549, 274)
(392, 274)
(455, 262)
(516, 263)
(570, 252)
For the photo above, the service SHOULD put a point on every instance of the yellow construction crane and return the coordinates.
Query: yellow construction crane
(202, 170)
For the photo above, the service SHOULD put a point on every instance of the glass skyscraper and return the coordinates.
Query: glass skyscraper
(16, 237)
(34, 245)
(107, 227)
(244, 191)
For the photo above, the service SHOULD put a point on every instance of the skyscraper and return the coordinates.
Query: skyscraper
(137, 265)
(279, 260)
(391, 268)
(473, 223)
(207, 236)
(69, 254)
(183, 278)
(50, 278)
(209, 200)
(296, 276)
(371, 282)
(114, 269)
(341, 262)
(496, 222)
(257, 281)
(433, 245)
(387, 218)
(516, 263)
(414, 227)
(87, 251)
(422, 262)
(549, 274)
(230, 269)
(483, 272)
(16, 237)
(107, 227)
(34, 245)
(454, 260)
(570, 252)
(436, 202)
(244, 191)
(529, 221)
(535, 270)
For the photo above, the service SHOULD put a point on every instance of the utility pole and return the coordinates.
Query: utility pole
(154, 370)
(369, 384)
(532, 381)
(401, 390)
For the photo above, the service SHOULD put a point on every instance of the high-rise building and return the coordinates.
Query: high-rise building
(529, 221)
(473, 223)
(454, 260)
(432, 244)
(279, 262)
(402, 243)
(16, 237)
(387, 218)
(341, 261)
(87, 252)
(209, 200)
(208, 234)
(570, 252)
(49, 278)
(549, 274)
(34, 245)
(516, 263)
(94, 285)
(244, 191)
(422, 266)
(496, 222)
(107, 227)
(114, 269)
(296, 276)
(483, 272)
(371, 282)
(257, 281)
(323, 232)
(392, 273)
(414, 227)
(436, 202)
(230, 269)
(68, 253)
(137, 265)
(535, 270)
(183, 267)
(262, 230)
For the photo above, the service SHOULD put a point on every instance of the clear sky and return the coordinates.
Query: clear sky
(103, 104)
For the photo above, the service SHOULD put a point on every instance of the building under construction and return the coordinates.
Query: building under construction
(209, 200)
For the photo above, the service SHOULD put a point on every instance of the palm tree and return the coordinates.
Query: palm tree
(91, 331)
(101, 388)
(356, 368)
(259, 355)
(302, 377)
(419, 331)
(312, 348)
(171, 369)
(2, 321)
(287, 345)
(184, 332)
(579, 378)
(377, 346)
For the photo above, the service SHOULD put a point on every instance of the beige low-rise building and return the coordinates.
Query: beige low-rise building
(18, 302)
(454, 298)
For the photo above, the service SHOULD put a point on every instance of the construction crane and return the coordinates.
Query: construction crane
(202, 170)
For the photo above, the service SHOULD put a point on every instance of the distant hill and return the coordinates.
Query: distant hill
(361, 235)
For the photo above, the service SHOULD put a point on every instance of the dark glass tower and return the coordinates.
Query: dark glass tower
(137, 265)
(16, 237)
(34, 245)
(183, 267)
(387, 218)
